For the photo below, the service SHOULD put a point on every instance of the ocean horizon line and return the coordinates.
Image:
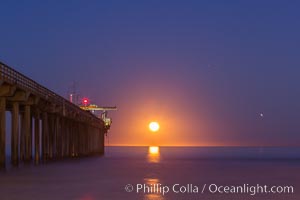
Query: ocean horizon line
(211, 146)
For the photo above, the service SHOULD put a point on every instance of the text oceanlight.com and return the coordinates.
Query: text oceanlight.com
(208, 188)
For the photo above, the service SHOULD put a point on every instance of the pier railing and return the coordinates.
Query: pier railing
(13, 77)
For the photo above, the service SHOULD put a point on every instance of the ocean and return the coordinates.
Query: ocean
(163, 173)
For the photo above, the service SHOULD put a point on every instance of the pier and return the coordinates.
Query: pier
(44, 125)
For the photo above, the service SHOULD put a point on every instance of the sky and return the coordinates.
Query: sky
(212, 73)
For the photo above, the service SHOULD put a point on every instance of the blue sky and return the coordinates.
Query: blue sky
(204, 69)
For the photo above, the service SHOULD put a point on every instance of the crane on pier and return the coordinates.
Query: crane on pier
(93, 108)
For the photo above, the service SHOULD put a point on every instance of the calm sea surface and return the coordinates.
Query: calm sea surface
(232, 173)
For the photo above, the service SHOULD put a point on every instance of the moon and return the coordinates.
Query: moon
(154, 126)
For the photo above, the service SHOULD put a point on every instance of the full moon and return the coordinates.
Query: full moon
(154, 126)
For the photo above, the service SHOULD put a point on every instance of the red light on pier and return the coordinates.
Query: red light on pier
(85, 101)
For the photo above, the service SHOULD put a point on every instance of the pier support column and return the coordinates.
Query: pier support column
(45, 136)
(88, 139)
(27, 131)
(101, 144)
(55, 133)
(2, 131)
(62, 137)
(37, 136)
(15, 134)
(58, 137)
(66, 139)
(96, 140)
(22, 138)
(77, 139)
(51, 135)
(100, 140)
(64, 132)
(72, 138)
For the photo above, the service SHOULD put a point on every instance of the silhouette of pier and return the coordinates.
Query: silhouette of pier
(44, 125)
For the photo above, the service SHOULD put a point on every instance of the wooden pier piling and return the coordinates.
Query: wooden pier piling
(44, 125)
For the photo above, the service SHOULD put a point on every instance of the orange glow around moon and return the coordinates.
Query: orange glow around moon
(154, 126)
